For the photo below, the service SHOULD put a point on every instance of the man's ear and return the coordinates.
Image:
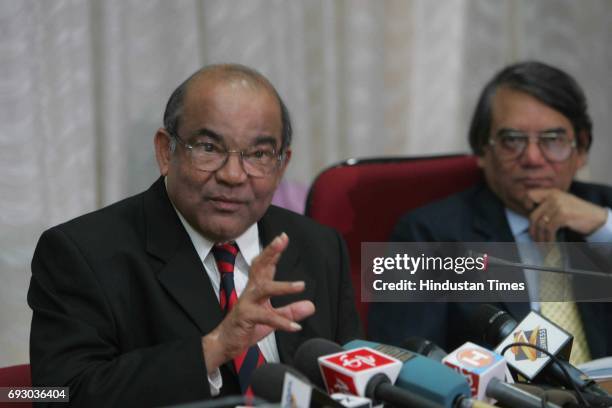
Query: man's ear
(583, 153)
(480, 160)
(163, 150)
(582, 158)
(283, 166)
(287, 158)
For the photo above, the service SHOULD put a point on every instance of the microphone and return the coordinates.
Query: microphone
(279, 383)
(493, 324)
(424, 347)
(362, 371)
(557, 396)
(493, 261)
(306, 358)
(485, 372)
(505, 392)
(536, 366)
(422, 376)
(352, 371)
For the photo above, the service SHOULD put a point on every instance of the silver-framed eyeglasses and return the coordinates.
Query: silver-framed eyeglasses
(555, 145)
(258, 161)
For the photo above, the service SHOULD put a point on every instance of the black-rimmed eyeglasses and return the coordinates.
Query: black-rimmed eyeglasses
(555, 145)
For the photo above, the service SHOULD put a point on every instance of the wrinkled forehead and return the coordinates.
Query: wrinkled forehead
(231, 107)
(524, 111)
(213, 87)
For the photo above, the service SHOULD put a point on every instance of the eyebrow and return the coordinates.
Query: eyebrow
(550, 130)
(554, 130)
(259, 140)
(265, 139)
(208, 133)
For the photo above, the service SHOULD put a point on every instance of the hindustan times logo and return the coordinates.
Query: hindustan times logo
(537, 337)
(413, 264)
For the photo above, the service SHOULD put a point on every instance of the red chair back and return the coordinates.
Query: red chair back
(15, 376)
(363, 199)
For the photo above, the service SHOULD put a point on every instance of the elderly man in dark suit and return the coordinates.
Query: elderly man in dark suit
(180, 292)
(531, 132)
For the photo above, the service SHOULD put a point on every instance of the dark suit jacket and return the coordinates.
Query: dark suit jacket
(121, 301)
(474, 215)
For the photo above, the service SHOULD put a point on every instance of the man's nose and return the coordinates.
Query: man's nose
(532, 155)
(232, 172)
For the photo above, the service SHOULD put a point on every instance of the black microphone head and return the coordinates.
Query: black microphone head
(492, 325)
(557, 396)
(267, 380)
(424, 347)
(306, 358)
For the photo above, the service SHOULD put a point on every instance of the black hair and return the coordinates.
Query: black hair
(551, 86)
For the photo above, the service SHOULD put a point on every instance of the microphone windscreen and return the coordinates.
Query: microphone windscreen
(424, 347)
(491, 324)
(267, 380)
(416, 344)
(306, 358)
(557, 396)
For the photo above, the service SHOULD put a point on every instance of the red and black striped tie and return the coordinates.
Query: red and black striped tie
(247, 361)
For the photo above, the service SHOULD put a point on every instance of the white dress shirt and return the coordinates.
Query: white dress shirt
(249, 246)
(519, 225)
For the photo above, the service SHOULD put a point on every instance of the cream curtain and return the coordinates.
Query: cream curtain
(83, 84)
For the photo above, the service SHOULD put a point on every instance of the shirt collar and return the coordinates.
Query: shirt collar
(248, 241)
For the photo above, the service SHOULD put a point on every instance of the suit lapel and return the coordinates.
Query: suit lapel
(269, 228)
(289, 268)
(182, 273)
(489, 219)
(491, 225)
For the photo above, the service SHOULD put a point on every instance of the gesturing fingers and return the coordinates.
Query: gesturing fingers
(249, 322)
(265, 289)
(298, 310)
(284, 318)
(253, 317)
(264, 264)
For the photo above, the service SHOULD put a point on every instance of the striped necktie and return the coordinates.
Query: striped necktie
(553, 288)
(247, 361)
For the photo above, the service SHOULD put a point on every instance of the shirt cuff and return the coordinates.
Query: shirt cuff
(215, 382)
(603, 233)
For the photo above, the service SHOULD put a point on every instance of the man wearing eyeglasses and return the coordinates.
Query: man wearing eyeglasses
(531, 133)
(181, 292)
